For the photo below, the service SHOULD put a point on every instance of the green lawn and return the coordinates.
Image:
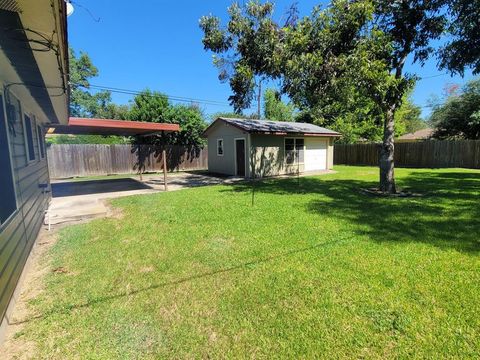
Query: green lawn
(313, 269)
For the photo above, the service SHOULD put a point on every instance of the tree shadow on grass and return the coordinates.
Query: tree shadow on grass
(446, 216)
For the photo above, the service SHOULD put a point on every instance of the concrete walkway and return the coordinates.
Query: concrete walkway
(78, 200)
(81, 200)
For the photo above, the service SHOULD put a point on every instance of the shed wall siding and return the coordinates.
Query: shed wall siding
(18, 233)
(224, 164)
(330, 154)
(268, 155)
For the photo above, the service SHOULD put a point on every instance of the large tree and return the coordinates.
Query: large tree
(352, 51)
(411, 27)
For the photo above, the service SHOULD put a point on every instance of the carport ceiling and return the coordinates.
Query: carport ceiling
(83, 126)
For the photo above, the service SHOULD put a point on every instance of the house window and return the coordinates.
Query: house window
(7, 182)
(41, 141)
(29, 138)
(219, 147)
(300, 152)
(294, 150)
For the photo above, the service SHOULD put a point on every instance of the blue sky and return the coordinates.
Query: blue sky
(157, 44)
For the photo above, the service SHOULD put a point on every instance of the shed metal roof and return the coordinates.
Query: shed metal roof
(275, 127)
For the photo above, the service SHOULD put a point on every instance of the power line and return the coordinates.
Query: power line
(193, 100)
(433, 76)
(170, 97)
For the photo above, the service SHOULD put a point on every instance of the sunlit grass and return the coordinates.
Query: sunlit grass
(313, 269)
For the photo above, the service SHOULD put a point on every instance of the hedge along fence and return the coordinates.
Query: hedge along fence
(66, 161)
(427, 154)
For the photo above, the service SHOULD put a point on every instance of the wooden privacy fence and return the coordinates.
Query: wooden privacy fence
(66, 161)
(428, 154)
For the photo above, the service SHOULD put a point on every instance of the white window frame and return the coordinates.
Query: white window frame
(295, 160)
(223, 147)
(40, 142)
(12, 169)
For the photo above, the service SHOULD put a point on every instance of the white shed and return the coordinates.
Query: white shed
(245, 147)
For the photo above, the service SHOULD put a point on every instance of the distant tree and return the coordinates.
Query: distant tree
(227, 114)
(192, 124)
(459, 116)
(82, 102)
(114, 111)
(154, 107)
(408, 117)
(86, 139)
(275, 109)
(149, 106)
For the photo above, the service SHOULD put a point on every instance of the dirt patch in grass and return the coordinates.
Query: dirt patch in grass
(146, 269)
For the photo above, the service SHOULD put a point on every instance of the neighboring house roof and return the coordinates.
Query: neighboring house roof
(417, 135)
(275, 127)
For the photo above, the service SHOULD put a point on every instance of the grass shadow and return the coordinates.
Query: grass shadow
(446, 216)
(88, 187)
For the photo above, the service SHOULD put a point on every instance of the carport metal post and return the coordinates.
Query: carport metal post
(164, 158)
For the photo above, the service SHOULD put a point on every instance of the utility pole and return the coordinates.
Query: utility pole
(259, 99)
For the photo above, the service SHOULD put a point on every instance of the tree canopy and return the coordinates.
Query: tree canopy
(82, 102)
(459, 116)
(275, 109)
(85, 104)
(153, 106)
(343, 65)
(147, 106)
(462, 49)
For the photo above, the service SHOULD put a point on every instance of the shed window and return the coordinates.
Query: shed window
(294, 150)
(7, 182)
(220, 147)
(41, 141)
(29, 138)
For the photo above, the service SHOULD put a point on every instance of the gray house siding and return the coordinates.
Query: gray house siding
(224, 164)
(19, 231)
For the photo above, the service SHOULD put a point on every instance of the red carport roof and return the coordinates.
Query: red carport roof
(84, 126)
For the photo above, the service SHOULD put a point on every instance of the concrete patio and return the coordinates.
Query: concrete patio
(77, 200)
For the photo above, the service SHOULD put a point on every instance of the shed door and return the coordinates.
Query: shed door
(315, 154)
(240, 156)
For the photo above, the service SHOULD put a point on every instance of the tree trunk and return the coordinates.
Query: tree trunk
(387, 174)
(387, 166)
